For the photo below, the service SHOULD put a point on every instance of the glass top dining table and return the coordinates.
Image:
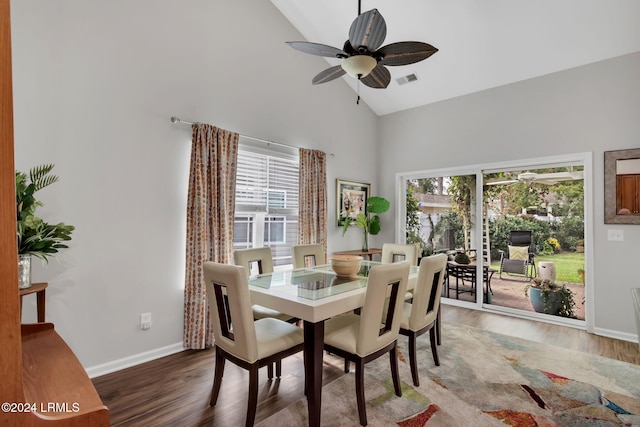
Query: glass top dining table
(314, 295)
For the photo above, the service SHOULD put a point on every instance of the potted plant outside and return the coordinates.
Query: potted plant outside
(35, 236)
(369, 222)
(550, 297)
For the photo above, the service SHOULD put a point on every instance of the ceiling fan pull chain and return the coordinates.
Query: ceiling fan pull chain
(358, 99)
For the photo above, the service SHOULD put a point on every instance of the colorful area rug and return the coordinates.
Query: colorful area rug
(484, 379)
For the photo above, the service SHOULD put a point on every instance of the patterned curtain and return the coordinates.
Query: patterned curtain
(312, 214)
(210, 211)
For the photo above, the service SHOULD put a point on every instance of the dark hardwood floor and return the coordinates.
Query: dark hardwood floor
(175, 390)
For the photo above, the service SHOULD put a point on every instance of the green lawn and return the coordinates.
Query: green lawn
(567, 265)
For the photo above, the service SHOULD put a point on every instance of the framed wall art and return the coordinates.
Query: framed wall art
(622, 186)
(351, 199)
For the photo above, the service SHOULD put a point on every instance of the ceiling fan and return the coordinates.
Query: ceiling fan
(363, 58)
(540, 178)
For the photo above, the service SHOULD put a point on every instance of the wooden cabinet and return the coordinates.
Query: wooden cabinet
(628, 193)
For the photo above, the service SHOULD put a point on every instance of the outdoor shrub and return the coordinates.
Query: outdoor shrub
(569, 231)
(570, 243)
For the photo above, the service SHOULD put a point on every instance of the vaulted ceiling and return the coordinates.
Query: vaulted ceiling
(482, 44)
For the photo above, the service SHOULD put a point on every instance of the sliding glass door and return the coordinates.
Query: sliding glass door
(505, 228)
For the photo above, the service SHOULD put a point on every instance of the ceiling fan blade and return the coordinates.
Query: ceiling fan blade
(546, 181)
(379, 78)
(318, 49)
(501, 182)
(561, 176)
(405, 53)
(328, 75)
(368, 30)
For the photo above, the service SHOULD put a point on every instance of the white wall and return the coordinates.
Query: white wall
(591, 108)
(95, 83)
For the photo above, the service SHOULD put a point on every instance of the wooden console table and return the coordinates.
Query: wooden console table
(370, 253)
(40, 290)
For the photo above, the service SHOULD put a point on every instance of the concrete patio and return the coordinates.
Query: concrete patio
(510, 293)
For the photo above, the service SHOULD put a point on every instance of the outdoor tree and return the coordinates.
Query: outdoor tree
(572, 195)
(413, 219)
(461, 190)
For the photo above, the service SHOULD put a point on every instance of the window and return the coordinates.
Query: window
(274, 229)
(243, 230)
(266, 203)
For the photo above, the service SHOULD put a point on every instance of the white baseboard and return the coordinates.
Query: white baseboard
(624, 336)
(136, 359)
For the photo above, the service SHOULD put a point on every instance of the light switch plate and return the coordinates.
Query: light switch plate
(615, 235)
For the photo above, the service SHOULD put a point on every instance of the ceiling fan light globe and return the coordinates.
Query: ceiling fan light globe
(359, 65)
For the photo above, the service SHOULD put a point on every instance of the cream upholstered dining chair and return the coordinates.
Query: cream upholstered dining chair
(308, 255)
(262, 258)
(238, 338)
(365, 337)
(421, 315)
(392, 252)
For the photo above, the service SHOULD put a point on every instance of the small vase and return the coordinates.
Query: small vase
(365, 242)
(24, 271)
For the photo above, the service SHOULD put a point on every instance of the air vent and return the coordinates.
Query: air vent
(409, 78)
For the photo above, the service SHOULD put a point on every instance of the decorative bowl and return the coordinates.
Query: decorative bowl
(345, 265)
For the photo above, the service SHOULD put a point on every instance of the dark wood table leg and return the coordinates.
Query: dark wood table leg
(313, 348)
(40, 301)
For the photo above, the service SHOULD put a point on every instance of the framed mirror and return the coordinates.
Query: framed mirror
(622, 186)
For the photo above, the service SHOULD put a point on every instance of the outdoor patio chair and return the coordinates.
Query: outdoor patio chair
(518, 261)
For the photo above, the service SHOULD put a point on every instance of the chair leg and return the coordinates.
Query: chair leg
(217, 378)
(413, 359)
(393, 359)
(252, 402)
(434, 347)
(270, 371)
(362, 409)
(346, 366)
(278, 368)
(439, 325)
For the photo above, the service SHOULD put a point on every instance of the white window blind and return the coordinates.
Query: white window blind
(266, 184)
(266, 203)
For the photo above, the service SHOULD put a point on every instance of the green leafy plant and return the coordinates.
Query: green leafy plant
(558, 299)
(35, 236)
(462, 258)
(369, 222)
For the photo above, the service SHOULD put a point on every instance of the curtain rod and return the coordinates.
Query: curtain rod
(175, 119)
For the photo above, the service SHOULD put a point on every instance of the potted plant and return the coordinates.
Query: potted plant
(35, 236)
(370, 224)
(550, 297)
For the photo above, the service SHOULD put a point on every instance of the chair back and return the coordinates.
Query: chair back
(426, 293)
(230, 308)
(392, 251)
(308, 255)
(381, 311)
(260, 256)
(520, 238)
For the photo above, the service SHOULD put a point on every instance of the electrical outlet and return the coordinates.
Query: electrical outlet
(145, 321)
(615, 235)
